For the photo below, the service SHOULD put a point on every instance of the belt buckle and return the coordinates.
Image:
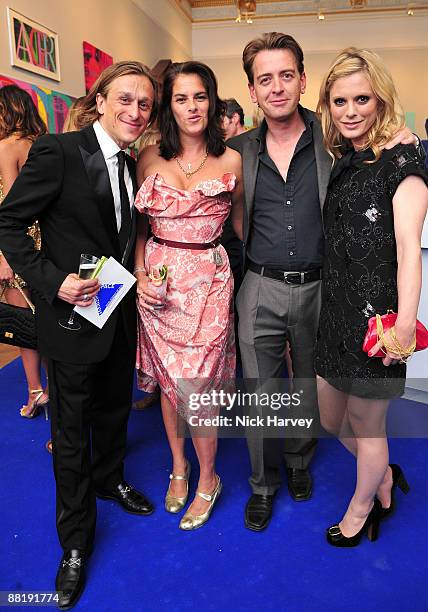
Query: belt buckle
(289, 282)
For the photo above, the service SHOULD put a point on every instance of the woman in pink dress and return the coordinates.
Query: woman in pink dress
(190, 183)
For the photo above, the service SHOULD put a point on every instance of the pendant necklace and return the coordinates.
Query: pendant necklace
(189, 172)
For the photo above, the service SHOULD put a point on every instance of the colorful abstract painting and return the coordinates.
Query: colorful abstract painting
(33, 47)
(95, 61)
(52, 105)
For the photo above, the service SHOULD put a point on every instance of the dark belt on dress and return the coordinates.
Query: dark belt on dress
(291, 278)
(194, 246)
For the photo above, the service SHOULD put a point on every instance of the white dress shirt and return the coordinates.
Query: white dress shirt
(110, 150)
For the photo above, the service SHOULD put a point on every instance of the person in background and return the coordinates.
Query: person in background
(150, 137)
(233, 120)
(373, 217)
(20, 126)
(74, 119)
(233, 124)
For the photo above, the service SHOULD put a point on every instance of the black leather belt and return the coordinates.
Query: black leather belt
(291, 278)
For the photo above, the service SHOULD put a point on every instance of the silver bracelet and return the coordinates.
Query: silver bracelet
(140, 270)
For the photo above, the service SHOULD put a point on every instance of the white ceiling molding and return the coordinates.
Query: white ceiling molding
(204, 11)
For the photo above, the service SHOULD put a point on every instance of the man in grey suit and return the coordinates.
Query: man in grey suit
(286, 172)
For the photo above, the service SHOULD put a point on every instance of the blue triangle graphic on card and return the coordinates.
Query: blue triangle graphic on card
(105, 296)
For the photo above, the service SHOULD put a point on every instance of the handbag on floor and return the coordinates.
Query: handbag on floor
(17, 324)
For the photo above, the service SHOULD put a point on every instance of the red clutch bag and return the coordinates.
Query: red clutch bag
(388, 321)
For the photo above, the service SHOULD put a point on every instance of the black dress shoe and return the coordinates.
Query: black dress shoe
(299, 483)
(130, 499)
(70, 579)
(258, 512)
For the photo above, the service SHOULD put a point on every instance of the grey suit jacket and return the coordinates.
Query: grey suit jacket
(248, 144)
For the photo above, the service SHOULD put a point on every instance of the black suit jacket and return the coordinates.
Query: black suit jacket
(65, 185)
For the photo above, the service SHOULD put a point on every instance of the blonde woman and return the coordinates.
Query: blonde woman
(373, 217)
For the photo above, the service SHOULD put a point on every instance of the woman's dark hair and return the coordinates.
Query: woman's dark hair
(18, 114)
(170, 140)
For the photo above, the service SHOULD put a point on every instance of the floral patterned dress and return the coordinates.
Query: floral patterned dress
(192, 337)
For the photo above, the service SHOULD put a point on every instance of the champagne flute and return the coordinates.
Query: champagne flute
(87, 266)
(158, 278)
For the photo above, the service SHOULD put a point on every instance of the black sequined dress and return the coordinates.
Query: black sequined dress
(360, 268)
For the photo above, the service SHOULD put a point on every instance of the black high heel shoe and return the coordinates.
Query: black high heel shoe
(335, 536)
(398, 480)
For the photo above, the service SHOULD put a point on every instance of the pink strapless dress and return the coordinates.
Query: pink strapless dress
(192, 337)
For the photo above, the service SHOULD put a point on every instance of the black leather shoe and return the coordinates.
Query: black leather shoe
(130, 499)
(299, 484)
(70, 579)
(258, 512)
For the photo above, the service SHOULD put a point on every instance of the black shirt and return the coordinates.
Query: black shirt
(286, 230)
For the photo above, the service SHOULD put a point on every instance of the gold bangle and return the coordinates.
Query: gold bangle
(401, 350)
(396, 347)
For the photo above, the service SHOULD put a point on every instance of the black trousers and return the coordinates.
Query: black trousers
(90, 407)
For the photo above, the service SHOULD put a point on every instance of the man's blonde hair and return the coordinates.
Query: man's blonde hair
(390, 116)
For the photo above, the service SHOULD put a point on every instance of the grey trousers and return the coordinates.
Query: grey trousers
(270, 313)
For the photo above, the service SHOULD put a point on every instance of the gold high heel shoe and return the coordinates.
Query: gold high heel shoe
(176, 504)
(194, 521)
(32, 410)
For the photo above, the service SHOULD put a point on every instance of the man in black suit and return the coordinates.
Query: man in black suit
(81, 188)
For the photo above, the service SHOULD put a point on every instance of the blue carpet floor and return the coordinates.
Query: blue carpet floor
(148, 564)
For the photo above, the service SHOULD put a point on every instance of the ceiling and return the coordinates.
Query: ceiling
(225, 10)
